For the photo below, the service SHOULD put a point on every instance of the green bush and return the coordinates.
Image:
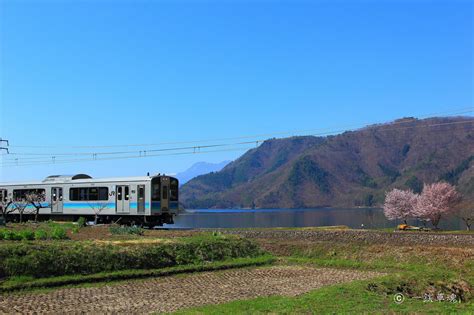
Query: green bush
(12, 236)
(27, 282)
(27, 235)
(58, 233)
(41, 235)
(81, 222)
(67, 258)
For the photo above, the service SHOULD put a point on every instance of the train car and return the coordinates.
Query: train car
(148, 200)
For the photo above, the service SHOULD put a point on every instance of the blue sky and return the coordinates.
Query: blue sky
(88, 73)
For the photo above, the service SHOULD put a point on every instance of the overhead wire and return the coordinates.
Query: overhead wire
(459, 111)
(54, 158)
(199, 149)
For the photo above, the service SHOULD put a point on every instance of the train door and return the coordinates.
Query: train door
(3, 195)
(165, 185)
(141, 199)
(122, 198)
(56, 200)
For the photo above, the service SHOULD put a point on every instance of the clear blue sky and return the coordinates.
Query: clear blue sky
(113, 72)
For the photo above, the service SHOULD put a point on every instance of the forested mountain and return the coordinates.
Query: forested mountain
(354, 168)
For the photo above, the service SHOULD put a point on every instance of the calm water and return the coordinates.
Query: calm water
(236, 218)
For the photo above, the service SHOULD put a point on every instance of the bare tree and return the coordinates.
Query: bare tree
(465, 211)
(97, 207)
(36, 199)
(5, 208)
(21, 206)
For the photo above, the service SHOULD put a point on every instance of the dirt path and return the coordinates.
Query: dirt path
(172, 293)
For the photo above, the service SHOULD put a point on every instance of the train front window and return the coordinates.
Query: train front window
(165, 192)
(174, 186)
(156, 189)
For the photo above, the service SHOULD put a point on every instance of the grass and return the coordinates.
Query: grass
(410, 270)
(351, 298)
(29, 283)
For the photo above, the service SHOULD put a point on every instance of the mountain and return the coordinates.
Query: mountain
(354, 168)
(200, 168)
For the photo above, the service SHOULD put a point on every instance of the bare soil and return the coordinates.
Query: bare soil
(401, 238)
(169, 294)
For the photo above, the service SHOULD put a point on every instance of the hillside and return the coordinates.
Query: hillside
(354, 168)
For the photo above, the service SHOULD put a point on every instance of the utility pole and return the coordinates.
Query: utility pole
(6, 147)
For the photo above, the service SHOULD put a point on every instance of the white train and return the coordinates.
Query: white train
(150, 200)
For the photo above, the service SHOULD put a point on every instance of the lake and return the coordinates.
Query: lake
(367, 218)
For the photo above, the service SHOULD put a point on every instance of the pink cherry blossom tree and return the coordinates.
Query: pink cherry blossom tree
(399, 204)
(436, 200)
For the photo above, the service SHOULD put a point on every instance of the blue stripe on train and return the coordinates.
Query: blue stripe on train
(156, 205)
(89, 205)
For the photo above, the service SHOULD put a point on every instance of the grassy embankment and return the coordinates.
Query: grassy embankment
(123, 254)
(410, 270)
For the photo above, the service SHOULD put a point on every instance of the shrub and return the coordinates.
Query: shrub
(11, 236)
(27, 235)
(58, 233)
(41, 235)
(81, 222)
(66, 258)
(2, 234)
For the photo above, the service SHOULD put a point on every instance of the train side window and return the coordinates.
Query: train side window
(103, 193)
(20, 194)
(73, 194)
(87, 193)
(127, 193)
(60, 193)
(119, 193)
(141, 192)
(83, 194)
(93, 193)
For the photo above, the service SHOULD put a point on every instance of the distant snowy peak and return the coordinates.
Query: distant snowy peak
(200, 168)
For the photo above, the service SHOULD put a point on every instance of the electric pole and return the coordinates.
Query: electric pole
(6, 147)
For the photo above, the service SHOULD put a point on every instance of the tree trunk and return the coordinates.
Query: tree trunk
(435, 221)
(468, 223)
